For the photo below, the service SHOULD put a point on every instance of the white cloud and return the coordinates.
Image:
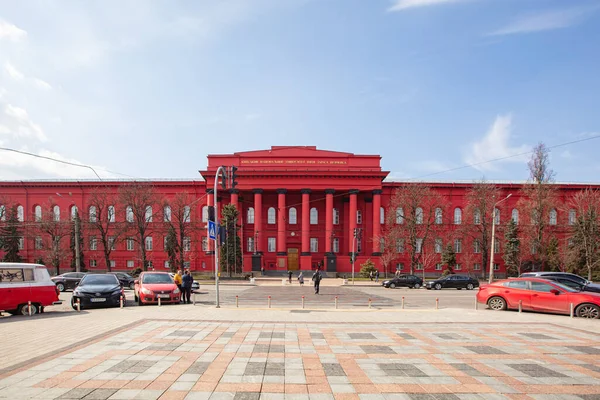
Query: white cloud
(13, 72)
(41, 84)
(15, 122)
(11, 32)
(496, 145)
(544, 21)
(401, 5)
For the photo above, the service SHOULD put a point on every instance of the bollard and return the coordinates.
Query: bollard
(572, 311)
(437, 303)
(78, 305)
(336, 302)
(269, 301)
(121, 302)
(476, 305)
(302, 302)
(403, 302)
(29, 307)
(520, 305)
(369, 302)
(159, 301)
(194, 301)
(237, 302)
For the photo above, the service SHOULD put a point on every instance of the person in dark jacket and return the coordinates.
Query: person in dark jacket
(186, 286)
(290, 276)
(317, 280)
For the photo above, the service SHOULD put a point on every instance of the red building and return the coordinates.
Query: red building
(300, 207)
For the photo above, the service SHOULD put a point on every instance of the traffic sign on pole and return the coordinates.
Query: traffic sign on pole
(212, 230)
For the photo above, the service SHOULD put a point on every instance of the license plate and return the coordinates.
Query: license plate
(164, 296)
(97, 299)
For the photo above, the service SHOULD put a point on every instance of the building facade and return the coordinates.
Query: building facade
(299, 209)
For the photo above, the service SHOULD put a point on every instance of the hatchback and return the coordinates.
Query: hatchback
(151, 286)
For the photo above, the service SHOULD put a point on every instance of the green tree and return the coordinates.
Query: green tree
(512, 249)
(231, 251)
(10, 235)
(172, 248)
(77, 221)
(366, 268)
(449, 258)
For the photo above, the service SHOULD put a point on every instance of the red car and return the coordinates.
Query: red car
(539, 295)
(24, 283)
(150, 286)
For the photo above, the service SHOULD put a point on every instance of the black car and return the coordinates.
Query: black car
(127, 281)
(453, 282)
(67, 281)
(410, 281)
(98, 290)
(570, 280)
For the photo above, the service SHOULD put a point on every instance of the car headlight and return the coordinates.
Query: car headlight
(176, 291)
(146, 291)
(117, 292)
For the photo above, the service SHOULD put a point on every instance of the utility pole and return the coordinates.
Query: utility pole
(491, 277)
(77, 257)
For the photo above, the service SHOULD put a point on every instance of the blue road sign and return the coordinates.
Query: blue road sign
(212, 230)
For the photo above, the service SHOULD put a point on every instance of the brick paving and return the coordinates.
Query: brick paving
(245, 360)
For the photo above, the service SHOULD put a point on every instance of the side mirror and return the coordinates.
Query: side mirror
(136, 282)
(555, 291)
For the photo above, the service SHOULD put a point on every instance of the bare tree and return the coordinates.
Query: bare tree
(537, 203)
(411, 218)
(585, 230)
(178, 216)
(429, 256)
(140, 200)
(51, 229)
(102, 207)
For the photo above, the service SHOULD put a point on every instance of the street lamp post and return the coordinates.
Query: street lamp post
(491, 278)
(219, 170)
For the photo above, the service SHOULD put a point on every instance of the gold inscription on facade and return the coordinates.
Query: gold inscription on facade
(284, 162)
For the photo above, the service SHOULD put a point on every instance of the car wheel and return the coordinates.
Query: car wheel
(60, 287)
(438, 286)
(392, 285)
(497, 303)
(470, 286)
(24, 309)
(588, 311)
(416, 286)
(139, 301)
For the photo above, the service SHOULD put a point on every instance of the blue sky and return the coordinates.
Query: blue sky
(149, 88)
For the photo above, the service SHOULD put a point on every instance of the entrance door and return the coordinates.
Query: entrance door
(292, 259)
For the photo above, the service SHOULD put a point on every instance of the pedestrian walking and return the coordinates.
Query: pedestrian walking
(301, 279)
(317, 280)
(290, 276)
(177, 280)
(371, 275)
(186, 285)
(262, 270)
(377, 276)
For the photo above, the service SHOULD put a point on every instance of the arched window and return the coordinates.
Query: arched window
(167, 213)
(20, 214)
(271, 215)
(205, 214)
(358, 217)
(74, 212)
(477, 216)
(38, 213)
(457, 216)
(187, 214)
(553, 217)
(293, 216)
(2, 212)
(438, 216)
(419, 215)
(572, 217)
(129, 214)
(56, 213)
(314, 216)
(149, 214)
(515, 216)
(111, 214)
(93, 214)
(336, 216)
(381, 215)
(249, 215)
(496, 216)
(399, 215)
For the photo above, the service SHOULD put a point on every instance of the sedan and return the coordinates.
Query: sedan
(98, 290)
(151, 286)
(410, 281)
(67, 281)
(126, 280)
(453, 282)
(537, 294)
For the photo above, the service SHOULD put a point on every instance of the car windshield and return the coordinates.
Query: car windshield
(565, 288)
(157, 278)
(99, 280)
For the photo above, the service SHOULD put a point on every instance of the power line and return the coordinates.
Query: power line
(502, 158)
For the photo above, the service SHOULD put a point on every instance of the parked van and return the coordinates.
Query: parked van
(23, 283)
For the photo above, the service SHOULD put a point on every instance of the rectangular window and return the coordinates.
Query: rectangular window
(271, 245)
(149, 243)
(111, 242)
(476, 267)
(38, 243)
(130, 245)
(167, 265)
(93, 263)
(399, 267)
(400, 245)
(314, 245)
(438, 246)
(476, 246)
(358, 245)
(496, 267)
(419, 245)
(250, 245)
(419, 267)
(336, 245)
(16, 275)
(187, 243)
(165, 243)
(93, 243)
(381, 245)
(336, 217)
(204, 243)
(111, 213)
(113, 264)
(21, 243)
(496, 246)
(457, 246)
(358, 217)
(130, 264)
(438, 267)
(457, 267)
(186, 264)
